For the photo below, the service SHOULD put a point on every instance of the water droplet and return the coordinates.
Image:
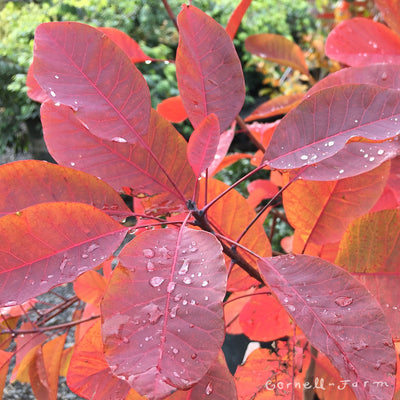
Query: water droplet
(371, 158)
(205, 298)
(378, 364)
(156, 281)
(147, 62)
(118, 139)
(343, 301)
(52, 93)
(193, 302)
(125, 340)
(204, 284)
(304, 157)
(182, 360)
(356, 121)
(150, 266)
(209, 389)
(360, 346)
(153, 311)
(384, 76)
(148, 253)
(341, 171)
(380, 152)
(193, 356)
(92, 247)
(187, 280)
(291, 308)
(72, 164)
(56, 76)
(10, 303)
(171, 287)
(286, 300)
(184, 302)
(173, 311)
(50, 276)
(175, 350)
(184, 269)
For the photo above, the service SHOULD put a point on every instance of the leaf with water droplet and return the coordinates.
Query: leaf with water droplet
(160, 309)
(312, 276)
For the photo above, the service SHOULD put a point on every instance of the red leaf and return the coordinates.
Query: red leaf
(35, 92)
(203, 144)
(264, 319)
(236, 18)
(372, 243)
(90, 287)
(160, 167)
(89, 375)
(318, 132)
(25, 183)
(232, 308)
(127, 44)
(217, 384)
(278, 49)
(214, 82)
(82, 68)
(382, 75)
(172, 109)
(339, 317)
(390, 10)
(52, 243)
(171, 284)
(362, 41)
(321, 211)
(224, 143)
(276, 106)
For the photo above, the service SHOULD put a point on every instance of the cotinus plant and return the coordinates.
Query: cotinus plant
(151, 312)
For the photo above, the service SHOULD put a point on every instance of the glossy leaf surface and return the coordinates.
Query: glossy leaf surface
(82, 68)
(203, 144)
(208, 70)
(169, 325)
(339, 317)
(382, 75)
(362, 41)
(372, 243)
(217, 384)
(172, 109)
(322, 125)
(89, 375)
(122, 164)
(25, 183)
(52, 243)
(321, 211)
(276, 106)
(278, 49)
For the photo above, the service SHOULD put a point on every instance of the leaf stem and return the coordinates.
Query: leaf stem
(248, 133)
(170, 13)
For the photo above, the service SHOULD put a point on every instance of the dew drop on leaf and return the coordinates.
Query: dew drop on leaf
(184, 268)
(209, 389)
(187, 280)
(150, 266)
(384, 76)
(171, 287)
(291, 308)
(193, 356)
(178, 297)
(175, 350)
(343, 301)
(118, 139)
(148, 253)
(204, 284)
(92, 247)
(156, 281)
(173, 311)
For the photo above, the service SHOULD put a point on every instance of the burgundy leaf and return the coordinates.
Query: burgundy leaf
(52, 243)
(278, 49)
(217, 384)
(82, 68)
(25, 183)
(323, 124)
(339, 317)
(382, 75)
(127, 44)
(390, 10)
(162, 313)
(203, 144)
(362, 41)
(162, 167)
(236, 18)
(208, 70)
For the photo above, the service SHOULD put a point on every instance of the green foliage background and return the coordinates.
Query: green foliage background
(144, 20)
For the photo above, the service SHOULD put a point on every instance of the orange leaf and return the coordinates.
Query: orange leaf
(45, 368)
(321, 211)
(233, 308)
(264, 319)
(5, 358)
(90, 287)
(172, 109)
(236, 18)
